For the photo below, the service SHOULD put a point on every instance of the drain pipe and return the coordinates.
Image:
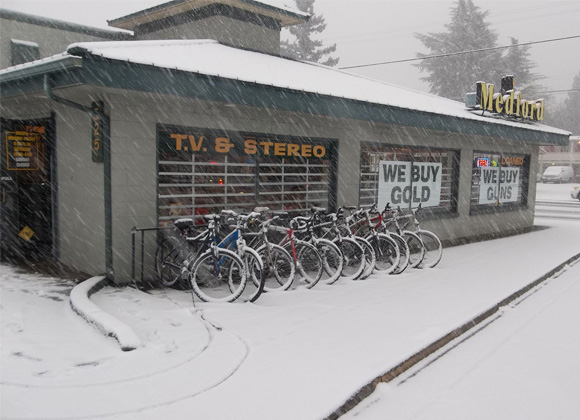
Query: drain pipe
(96, 112)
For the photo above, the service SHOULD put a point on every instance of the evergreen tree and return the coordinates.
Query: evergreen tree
(517, 63)
(455, 75)
(566, 115)
(304, 47)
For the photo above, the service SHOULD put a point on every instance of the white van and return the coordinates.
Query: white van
(558, 174)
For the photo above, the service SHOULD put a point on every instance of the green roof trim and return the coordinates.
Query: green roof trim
(98, 71)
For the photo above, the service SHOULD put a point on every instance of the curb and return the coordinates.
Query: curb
(107, 324)
(393, 373)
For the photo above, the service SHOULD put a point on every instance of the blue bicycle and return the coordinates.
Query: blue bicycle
(217, 272)
(235, 241)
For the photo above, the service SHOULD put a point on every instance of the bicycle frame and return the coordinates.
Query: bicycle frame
(289, 238)
(235, 241)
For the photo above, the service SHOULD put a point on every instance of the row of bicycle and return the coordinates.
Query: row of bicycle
(236, 256)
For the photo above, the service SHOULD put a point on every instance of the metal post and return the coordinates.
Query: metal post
(133, 232)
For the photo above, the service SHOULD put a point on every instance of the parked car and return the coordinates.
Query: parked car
(558, 174)
(575, 193)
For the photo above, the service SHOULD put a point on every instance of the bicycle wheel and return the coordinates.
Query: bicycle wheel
(370, 257)
(416, 248)
(403, 251)
(387, 252)
(170, 260)
(433, 249)
(353, 258)
(215, 273)
(256, 281)
(332, 260)
(309, 265)
(279, 267)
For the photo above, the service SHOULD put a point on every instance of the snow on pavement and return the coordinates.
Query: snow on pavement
(521, 364)
(293, 355)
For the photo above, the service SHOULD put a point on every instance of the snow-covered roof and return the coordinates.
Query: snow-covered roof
(212, 58)
(209, 57)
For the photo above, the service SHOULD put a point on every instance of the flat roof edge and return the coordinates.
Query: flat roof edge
(115, 34)
(135, 19)
(65, 62)
(266, 96)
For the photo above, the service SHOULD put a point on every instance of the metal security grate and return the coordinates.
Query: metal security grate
(198, 186)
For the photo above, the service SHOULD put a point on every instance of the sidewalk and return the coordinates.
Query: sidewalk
(295, 355)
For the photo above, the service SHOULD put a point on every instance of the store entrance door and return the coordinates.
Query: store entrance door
(26, 210)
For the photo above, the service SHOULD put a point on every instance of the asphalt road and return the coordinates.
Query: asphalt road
(554, 201)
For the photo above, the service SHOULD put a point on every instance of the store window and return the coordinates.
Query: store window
(409, 176)
(203, 171)
(499, 181)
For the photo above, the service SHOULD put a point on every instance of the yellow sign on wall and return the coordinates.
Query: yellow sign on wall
(23, 151)
(251, 146)
(26, 233)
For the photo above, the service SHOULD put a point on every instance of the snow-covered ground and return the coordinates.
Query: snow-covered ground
(301, 354)
(522, 364)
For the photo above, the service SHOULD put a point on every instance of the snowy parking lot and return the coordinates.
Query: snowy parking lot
(301, 354)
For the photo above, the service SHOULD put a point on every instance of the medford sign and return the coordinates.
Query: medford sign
(508, 103)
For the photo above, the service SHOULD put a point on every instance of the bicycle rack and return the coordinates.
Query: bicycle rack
(143, 231)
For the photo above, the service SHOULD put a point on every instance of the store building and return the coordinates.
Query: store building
(195, 111)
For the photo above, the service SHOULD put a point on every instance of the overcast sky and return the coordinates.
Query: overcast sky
(371, 31)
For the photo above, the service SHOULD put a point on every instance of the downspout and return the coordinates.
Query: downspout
(106, 143)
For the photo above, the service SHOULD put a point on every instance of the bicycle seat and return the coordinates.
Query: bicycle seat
(318, 210)
(183, 224)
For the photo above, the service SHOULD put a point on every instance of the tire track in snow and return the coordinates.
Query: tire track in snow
(178, 376)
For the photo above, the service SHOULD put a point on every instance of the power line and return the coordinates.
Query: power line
(459, 53)
(380, 34)
(559, 91)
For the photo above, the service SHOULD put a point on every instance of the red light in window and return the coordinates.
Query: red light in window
(213, 162)
(482, 162)
(221, 181)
